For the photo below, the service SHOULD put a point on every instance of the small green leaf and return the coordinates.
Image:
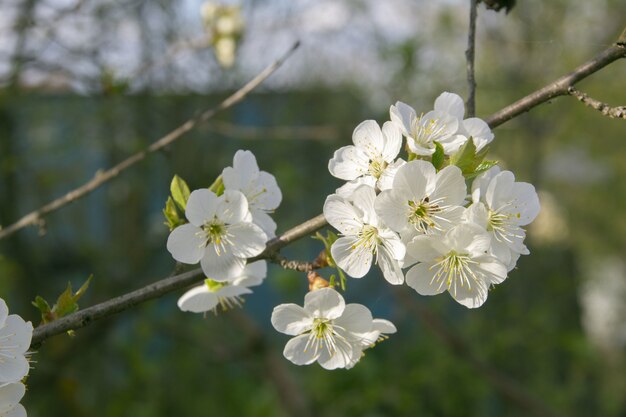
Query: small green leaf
(438, 157)
(180, 192)
(173, 216)
(484, 166)
(465, 157)
(218, 186)
(65, 303)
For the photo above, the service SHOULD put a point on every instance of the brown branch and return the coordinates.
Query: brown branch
(101, 177)
(504, 384)
(560, 86)
(157, 289)
(470, 104)
(604, 108)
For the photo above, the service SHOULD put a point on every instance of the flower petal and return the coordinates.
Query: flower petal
(297, 351)
(324, 303)
(232, 207)
(415, 180)
(450, 187)
(291, 319)
(343, 355)
(247, 239)
(17, 334)
(201, 207)
(392, 208)
(363, 199)
(10, 395)
(244, 171)
(268, 195)
(420, 278)
(425, 248)
(384, 326)
(351, 256)
(479, 131)
(390, 267)
(450, 103)
(222, 267)
(13, 368)
(265, 222)
(356, 319)
(198, 300)
(385, 181)
(472, 297)
(403, 116)
(4, 312)
(349, 163)
(368, 137)
(392, 141)
(341, 215)
(186, 244)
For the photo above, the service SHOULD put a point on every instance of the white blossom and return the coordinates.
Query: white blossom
(380, 329)
(211, 294)
(423, 201)
(15, 337)
(363, 236)
(457, 262)
(502, 206)
(326, 330)
(219, 234)
(371, 160)
(259, 187)
(10, 396)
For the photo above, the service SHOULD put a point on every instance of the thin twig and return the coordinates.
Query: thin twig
(470, 104)
(505, 385)
(560, 87)
(102, 177)
(157, 289)
(604, 108)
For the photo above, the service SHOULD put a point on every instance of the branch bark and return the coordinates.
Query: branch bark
(470, 104)
(612, 112)
(101, 177)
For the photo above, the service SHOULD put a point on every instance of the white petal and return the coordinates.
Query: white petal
(477, 213)
(198, 300)
(403, 116)
(186, 243)
(245, 170)
(415, 180)
(342, 216)
(10, 395)
(494, 272)
(392, 243)
(256, 269)
(346, 190)
(356, 318)
(17, 411)
(526, 202)
(265, 222)
(385, 181)
(232, 207)
(363, 199)
(291, 319)
(296, 351)
(368, 137)
(392, 208)
(201, 207)
(268, 193)
(499, 190)
(344, 355)
(479, 131)
(384, 326)
(390, 267)
(450, 187)
(348, 163)
(247, 239)
(352, 257)
(392, 141)
(420, 278)
(324, 303)
(4, 312)
(16, 333)
(452, 143)
(424, 248)
(470, 297)
(223, 267)
(450, 103)
(468, 237)
(481, 182)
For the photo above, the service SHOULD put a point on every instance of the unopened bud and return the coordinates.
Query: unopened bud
(316, 281)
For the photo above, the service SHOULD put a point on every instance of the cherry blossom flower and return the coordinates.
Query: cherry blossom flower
(380, 329)
(10, 396)
(15, 337)
(423, 201)
(326, 330)
(211, 294)
(259, 187)
(219, 234)
(372, 158)
(457, 262)
(363, 236)
(502, 206)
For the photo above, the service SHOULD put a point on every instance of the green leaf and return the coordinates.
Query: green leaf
(173, 216)
(465, 157)
(484, 166)
(67, 303)
(438, 157)
(44, 308)
(218, 186)
(180, 192)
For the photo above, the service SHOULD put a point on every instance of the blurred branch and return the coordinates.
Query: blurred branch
(101, 177)
(605, 109)
(155, 290)
(469, 56)
(561, 86)
(505, 385)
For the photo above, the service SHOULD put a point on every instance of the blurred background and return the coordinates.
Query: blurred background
(86, 83)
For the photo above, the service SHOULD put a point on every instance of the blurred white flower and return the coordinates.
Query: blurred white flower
(15, 337)
(211, 294)
(423, 200)
(219, 235)
(457, 262)
(259, 187)
(363, 236)
(10, 396)
(326, 330)
(371, 160)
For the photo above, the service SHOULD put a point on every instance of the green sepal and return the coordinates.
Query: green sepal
(218, 186)
(173, 216)
(468, 160)
(438, 157)
(483, 167)
(328, 241)
(67, 303)
(180, 192)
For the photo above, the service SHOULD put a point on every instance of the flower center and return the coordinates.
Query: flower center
(215, 233)
(504, 225)
(455, 269)
(377, 167)
(367, 237)
(424, 214)
(427, 131)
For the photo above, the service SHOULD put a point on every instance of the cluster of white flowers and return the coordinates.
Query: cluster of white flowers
(224, 231)
(419, 214)
(15, 337)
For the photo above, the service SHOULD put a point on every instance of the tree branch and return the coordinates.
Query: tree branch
(470, 104)
(605, 109)
(560, 86)
(155, 290)
(101, 177)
